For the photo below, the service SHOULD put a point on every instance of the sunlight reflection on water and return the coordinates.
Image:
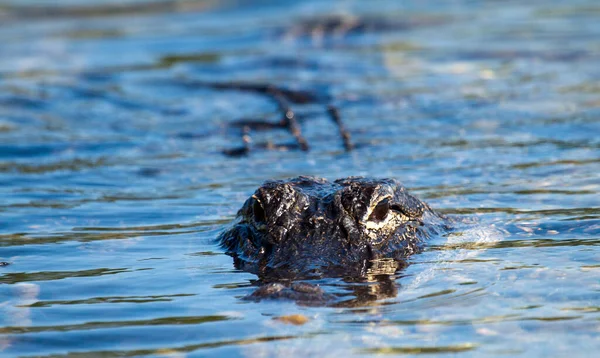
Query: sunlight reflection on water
(114, 185)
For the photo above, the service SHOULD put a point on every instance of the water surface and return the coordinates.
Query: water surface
(113, 183)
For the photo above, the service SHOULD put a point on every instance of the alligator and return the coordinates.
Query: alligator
(309, 228)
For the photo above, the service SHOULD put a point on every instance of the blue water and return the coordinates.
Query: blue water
(114, 185)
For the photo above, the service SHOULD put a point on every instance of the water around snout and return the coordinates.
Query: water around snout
(113, 185)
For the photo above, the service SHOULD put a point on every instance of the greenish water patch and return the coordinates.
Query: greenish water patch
(421, 350)
(97, 300)
(117, 324)
(18, 277)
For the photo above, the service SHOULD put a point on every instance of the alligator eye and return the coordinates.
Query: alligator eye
(381, 211)
(259, 212)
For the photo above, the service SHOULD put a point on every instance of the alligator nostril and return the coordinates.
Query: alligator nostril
(259, 212)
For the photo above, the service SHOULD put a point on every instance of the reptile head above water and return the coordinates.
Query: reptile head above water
(310, 227)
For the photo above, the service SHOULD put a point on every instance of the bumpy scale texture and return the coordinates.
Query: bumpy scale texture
(309, 227)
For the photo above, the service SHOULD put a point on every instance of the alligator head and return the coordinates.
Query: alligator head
(310, 227)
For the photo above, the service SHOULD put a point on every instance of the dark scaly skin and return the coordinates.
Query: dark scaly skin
(309, 227)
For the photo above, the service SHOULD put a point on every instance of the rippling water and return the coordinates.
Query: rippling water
(113, 182)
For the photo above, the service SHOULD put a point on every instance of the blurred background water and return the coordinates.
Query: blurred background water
(113, 184)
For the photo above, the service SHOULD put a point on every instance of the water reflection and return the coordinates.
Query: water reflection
(113, 186)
